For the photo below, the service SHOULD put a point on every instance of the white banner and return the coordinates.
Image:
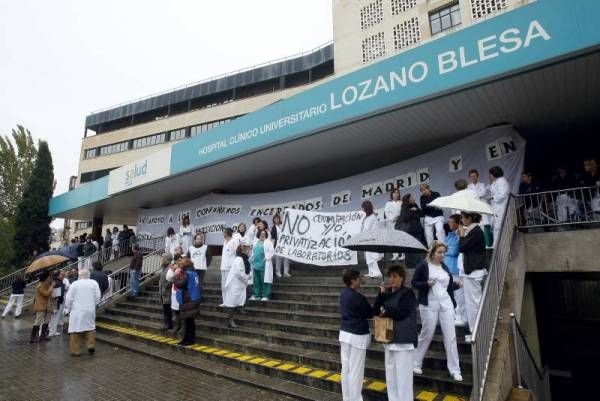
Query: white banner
(499, 146)
(318, 238)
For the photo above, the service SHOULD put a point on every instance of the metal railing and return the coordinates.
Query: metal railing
(6, 281)
(121, 279)
(123, 248)
(558, 208)
(482, 337)
(528, 374)
(215, 77)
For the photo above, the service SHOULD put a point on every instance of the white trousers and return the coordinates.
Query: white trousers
(459, 297)
(353, 371)
(224, 274)
(14, 299)
(399, 375)
(282, 266)
(497, 221)
(430, 315)
(438, 223)
(472, 289)
(566, 207)
(56, 319)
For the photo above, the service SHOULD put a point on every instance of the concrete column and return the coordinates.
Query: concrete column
(97, 227)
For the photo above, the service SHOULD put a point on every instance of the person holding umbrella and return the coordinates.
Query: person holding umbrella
(42, 307)
(472, 245)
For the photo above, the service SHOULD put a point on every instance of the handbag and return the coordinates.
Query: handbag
(384, 329)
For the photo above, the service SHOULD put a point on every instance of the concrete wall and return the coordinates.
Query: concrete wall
(348, 35)
(563, 251)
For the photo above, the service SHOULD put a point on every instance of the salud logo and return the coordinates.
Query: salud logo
(138, 170)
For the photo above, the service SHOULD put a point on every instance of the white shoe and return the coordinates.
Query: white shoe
(222, 305)
(287, 275)
(253, 298)
(417, 371)
(265, 299)
(468, 338)
(457, 377)
(460, 323)
(278, 275)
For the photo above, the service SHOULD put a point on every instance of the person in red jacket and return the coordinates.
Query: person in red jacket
(135, 270)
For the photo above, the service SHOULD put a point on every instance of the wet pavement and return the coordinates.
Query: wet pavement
(45, 371)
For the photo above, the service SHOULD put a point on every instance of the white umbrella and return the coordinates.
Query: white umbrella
(464, 201)
(383, 240)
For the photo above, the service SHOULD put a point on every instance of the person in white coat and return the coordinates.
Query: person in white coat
(483, 193)
(262, 267)
(370, 223)
(282, 265)
(171, 241)
(392, 210)
(82, 298)
(237, 280)
(499, 193)
(200, 256)
(252, 230)
(436, 305)
(242, 236)
(229, 248)
(186, 232)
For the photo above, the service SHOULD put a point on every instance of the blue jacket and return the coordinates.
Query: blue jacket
(451, 259)
(190, 292)
(355, 310)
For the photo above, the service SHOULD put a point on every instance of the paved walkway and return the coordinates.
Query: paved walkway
(45, 371)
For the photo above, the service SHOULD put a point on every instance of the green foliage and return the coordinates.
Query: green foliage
(17, 158)
(32, 223)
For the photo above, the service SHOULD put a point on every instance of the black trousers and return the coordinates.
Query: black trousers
(168, 316)
(201, 274)
(190, 330)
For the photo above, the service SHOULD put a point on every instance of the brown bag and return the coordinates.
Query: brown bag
(384, 329)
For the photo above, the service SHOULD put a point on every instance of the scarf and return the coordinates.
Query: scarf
(246, 261)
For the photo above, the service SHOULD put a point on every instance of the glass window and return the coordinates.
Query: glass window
(177, 135)
(444, 19)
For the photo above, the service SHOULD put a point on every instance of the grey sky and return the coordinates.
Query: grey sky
(61, 60)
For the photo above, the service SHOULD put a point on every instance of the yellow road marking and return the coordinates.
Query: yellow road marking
(335, 378)
(222, 352)
(318, 374)
(257, 360)
(244, 358)
(377, 386)
(271, 364)
(286, 366)
(302, 370)
(426, 396)
(232, 355)
(452, 398)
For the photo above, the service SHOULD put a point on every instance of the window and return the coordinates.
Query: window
(400, 6)
(407, 33)
(90, 153)
(82, 225)
(202, 128)
(482, 8)
(373, 47)
(445, 18)
(371, 14)
(114, 148)
(177, 134)
(149, 140)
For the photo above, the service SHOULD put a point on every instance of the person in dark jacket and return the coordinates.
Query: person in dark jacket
(436, 304)
(355, 336)
(188, 295)
(410, 222)
(18, 291)
(471, 244)
(99, 276)
(398, 302)
(434, 217)
(135, 270)
(164, 289)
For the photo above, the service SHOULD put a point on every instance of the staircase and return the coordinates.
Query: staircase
(293, 337)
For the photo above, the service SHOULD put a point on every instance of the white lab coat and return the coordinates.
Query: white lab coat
(198, 257)
(269, 253)
(185, 237)
(81, 301)
(243, 240)
(227, 257)
(169, 277)
(482, 191)
(235, 285)
(251, 234)
(370, 223)
(392, 211)
(171, 243)
(499, 190)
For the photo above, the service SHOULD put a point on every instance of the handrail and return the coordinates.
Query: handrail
(215, 77)
(529, 375)
(6, 281)
(562, 207)
(482, 337)
(154, 244)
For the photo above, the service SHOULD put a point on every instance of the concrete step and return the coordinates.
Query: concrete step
(441, 381)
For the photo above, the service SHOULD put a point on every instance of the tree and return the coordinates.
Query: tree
(32, 223)
(17, 158)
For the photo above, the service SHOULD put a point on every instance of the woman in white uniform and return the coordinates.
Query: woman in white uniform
(392, 210)
(436, 304)
(171, 241)
(370, 223)
(252, 230)
(186, 232)
(499, 192)
(398, 303)
(242, 236)
(236, 283)
(229, 248)
(282, 265)
(200, 256)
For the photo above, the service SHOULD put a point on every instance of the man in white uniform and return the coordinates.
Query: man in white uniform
(82, 298)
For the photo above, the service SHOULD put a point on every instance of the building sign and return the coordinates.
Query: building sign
(142, 171)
